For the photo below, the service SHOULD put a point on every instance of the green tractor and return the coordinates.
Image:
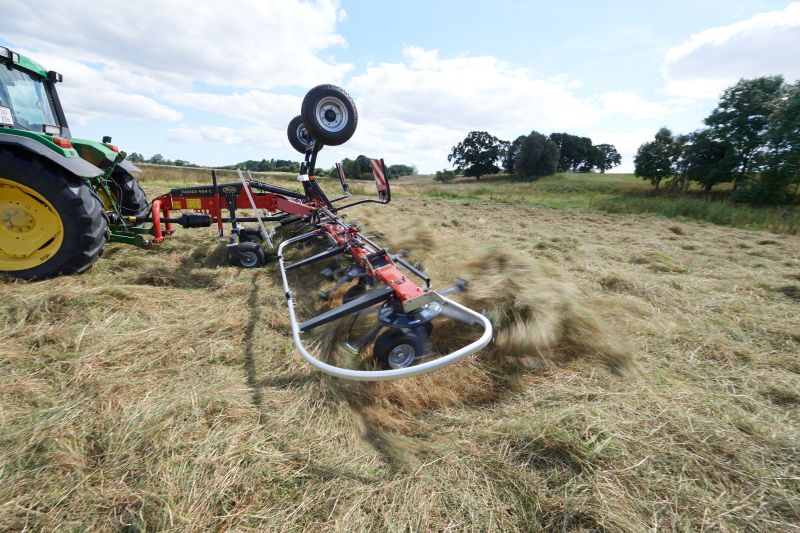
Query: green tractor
(61, 198)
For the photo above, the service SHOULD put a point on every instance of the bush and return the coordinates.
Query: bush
(445, 176)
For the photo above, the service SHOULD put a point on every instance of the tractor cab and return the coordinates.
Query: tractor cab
(28, 99)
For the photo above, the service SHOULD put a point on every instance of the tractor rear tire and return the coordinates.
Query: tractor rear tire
(47, 204)
(129, 194)
(329, 114)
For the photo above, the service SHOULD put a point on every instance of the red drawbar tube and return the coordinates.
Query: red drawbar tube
(157, 209)
(158, 237)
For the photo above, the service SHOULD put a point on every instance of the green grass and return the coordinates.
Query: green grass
(616, 193)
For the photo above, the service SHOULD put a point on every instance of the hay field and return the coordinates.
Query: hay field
(645, 376)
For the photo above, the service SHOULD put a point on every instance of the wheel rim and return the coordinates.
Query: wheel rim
(248, 259)
(31, 231)
(302, 135)
(332, 115)
(401, 356)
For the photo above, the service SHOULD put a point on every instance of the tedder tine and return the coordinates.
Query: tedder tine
(362, 302)
(325, 254)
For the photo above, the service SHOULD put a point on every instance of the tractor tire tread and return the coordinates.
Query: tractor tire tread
(83, 216)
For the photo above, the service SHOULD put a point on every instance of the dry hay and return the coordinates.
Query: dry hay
(539, 320)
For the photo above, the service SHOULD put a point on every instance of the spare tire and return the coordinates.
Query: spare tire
(329, 114)
(299, 137)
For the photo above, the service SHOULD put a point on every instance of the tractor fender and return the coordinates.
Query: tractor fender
(101, 156)
(74, 165)
(130, 167)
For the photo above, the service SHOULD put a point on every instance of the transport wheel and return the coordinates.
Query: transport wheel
(249, 235)
(51, 222)
(329, 114)
(129, 194)
(251, 255)
(298, 135)
(397, 349)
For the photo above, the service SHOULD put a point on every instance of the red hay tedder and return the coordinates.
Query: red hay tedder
(404, 311)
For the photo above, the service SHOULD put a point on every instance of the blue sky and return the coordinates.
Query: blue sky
(216, 83)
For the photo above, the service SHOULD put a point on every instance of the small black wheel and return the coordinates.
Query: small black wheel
(250, 255)
(128, 192)
(249, 235)
(397, 349)
(329, 114)
(298, 135)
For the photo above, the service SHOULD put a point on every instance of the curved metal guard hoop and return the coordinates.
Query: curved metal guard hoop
(384, 375)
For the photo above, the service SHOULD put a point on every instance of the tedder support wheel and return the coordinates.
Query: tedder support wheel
(51, 222)
(298, 135)
(329, 114)
(131, 197)
(397, 349)
(249, 255)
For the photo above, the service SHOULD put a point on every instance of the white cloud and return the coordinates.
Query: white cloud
(629, 104)
(119, 60)
(713, 59)
(625, 141)
(419, 108)
(237, 43)
(106, 92)
(213, 134)
(251, 106)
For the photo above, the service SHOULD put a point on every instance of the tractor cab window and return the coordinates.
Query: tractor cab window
(27, 97)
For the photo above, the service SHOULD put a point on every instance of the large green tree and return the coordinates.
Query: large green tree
(656, 160)
(706, 161)
(478, 154)
(780, 177)
(741, 120)
(784, 137)
(537, 157)
(512, 152)
(606, 157)
(577, 154)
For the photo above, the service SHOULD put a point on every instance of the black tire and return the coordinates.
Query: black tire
(397, 349)
(250, 235)
(251, 255)
(82, 215)
(329, 114)
(129, 194)
(299, 137)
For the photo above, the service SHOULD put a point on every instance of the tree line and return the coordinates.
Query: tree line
(359, 169)
(158, 159)
(528, 156)
(751, 140)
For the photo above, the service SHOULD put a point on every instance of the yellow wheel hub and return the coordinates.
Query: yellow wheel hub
(31, 231)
